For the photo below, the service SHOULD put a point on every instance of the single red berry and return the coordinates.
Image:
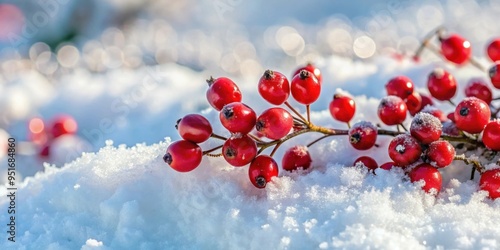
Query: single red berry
(430, 175)
(494, 73)
(493, 50)
(435, 112)
(194, 127)
(44, 152)
(441, 153)
(366, 161)
(400, 86)
(441, 84)
(479, 89)
(62, 125)
(239, 150)
(274, 123)
(414, 103)
(490, 182)
(363, 135)
(456, 49)
(451, 116)
(261, 171)
(295, 158)
(183, 156)
(426, 128)
(404, 150)
(472, 115)
(388, 165)
(305, 87)
(311, 68)
(491, 135)
(222, 91)
(426, 101)
(274, 87)
(342, 107)
(392, 110)
(237, 117)
(37, 132)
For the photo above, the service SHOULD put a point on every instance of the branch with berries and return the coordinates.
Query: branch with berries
(430, 143)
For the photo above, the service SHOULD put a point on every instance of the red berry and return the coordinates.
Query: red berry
(404, 150)
(456, 49)
(435, 112)
(37, 132)
(400, 86)
(430, 175)
(493, 50)
(305, 87)
(274, 123)
(426, 101)
(392, 110)
(363, 135)
(44, 152)
(388, 165)
(491, 135)
(194, 127)
(274, 87)
(441, 152)
(479, 89)
(494, 73)
(62, 125)
(367, 161)
(490, 182)
(222, 91)
(311, 68)
(441, 84)
(238, 117)
(426, 128)
(296, 157)
(262, 169)
(342, 107)
(239, 150)
(472, 115)
(183, 156)
(414, 103)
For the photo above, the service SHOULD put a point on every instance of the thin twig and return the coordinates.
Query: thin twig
(211, 150)
(295, 112)
(218, 137)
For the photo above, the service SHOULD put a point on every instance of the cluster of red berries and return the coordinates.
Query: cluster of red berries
(43, 133)
(428, 145)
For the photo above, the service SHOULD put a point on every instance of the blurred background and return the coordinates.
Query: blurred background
(118, 69)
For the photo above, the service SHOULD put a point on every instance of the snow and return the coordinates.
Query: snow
(119, 194)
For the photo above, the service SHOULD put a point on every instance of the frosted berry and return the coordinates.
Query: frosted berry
(239, 150)
(494, 73)
(311, 68)
(435, 112)
(305, 87)
(366, 161)
(491, 135)
(426, 128)
(183, 156)
(295, 158)
(222, 91)
(392, 110)
(237, 117)
(262, 169)
(62, 125)
(414, 103)
(441, 84)
(342, 107)
(430, 175)
(479, 89)
(404, 150)
(490, 182)
(274, 87)
(493, 50)
(441, 153)
(363, 135)
(456, 49)
(400, 86)
(274, 123)
(388, 165)
(194, 127)
(472, 115)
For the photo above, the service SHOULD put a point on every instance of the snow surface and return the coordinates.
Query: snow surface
(121, 195)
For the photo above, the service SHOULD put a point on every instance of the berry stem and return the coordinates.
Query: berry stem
(477, 165)
(452, 103)
(317, 140)
(308, 111)
(207, 152)
(427, 40)
(275, 149)
(348, 124)
(296, 112)
(255, 138)
(404, 128)
(216, 136)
